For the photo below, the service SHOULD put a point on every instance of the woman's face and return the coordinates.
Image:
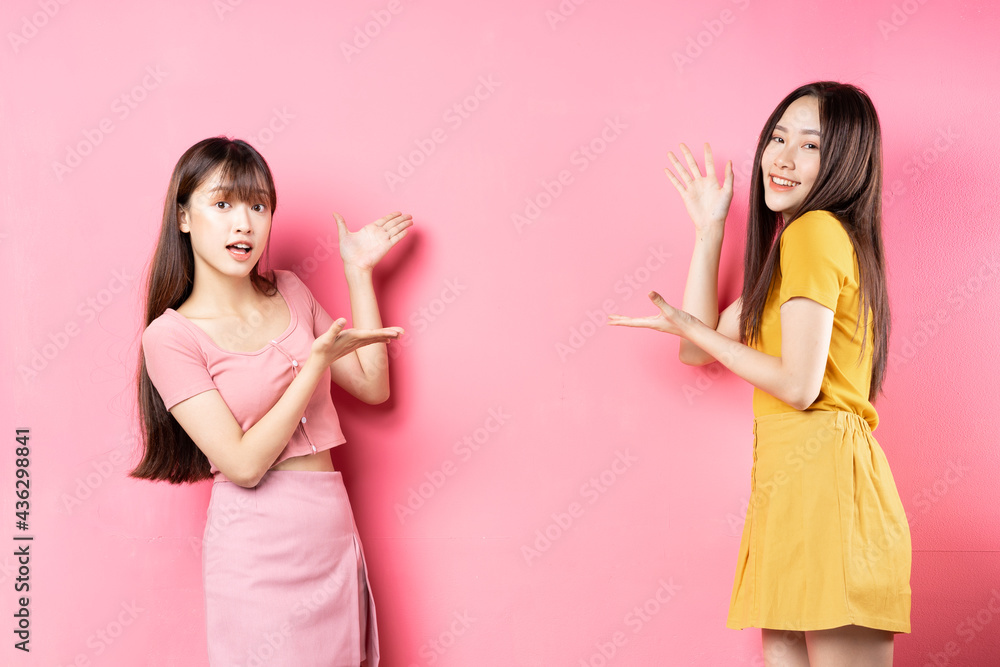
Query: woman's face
(228, 236)
(790, 162)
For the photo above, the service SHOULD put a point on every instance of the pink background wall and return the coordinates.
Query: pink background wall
(541, 487)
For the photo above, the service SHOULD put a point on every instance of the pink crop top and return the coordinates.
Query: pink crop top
(182, 361)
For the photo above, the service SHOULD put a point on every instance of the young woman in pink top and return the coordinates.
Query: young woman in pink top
(234, 383)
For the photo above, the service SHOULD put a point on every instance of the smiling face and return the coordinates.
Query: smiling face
(790, 161)
(228, 233)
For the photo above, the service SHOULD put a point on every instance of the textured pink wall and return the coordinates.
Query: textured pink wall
(541, 489)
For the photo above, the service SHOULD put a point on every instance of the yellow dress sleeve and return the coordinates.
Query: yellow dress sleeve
(816, 260)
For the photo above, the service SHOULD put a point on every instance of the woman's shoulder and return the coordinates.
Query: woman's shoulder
(167, 321)
(818, 220)
(170, 328)
(288, 280)
(291, 286)
(817, 228)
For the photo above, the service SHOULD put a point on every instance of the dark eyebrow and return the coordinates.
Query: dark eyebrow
(783, 129)
(230, 191)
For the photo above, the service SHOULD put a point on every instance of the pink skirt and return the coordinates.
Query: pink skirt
(285, 576)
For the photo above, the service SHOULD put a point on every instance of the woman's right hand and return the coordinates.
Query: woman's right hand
(707, 203)
(338, 341)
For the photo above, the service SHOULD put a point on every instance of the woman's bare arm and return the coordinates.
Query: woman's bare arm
(365, 373)
(795, 377)
(244, 457)
(707, 204)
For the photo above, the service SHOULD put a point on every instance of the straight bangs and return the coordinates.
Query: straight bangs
(242, 179)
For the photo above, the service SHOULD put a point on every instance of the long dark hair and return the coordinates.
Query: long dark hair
(168, 453)
(849, 185)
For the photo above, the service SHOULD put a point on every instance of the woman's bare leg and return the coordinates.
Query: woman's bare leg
(784, 648)
(850, 645)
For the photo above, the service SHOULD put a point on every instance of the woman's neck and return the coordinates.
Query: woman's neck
(215, 294)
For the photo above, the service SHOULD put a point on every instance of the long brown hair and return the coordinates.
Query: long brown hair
(849, 185)
(168, 453)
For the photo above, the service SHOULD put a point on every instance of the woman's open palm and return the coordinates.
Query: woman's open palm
(706, 201)
(337, 341)
(366, 247)
(668, 320)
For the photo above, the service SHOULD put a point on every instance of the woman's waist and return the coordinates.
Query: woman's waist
(840, 419)
(299, 454)
(318, 462)
(809, 425)
(830, 399)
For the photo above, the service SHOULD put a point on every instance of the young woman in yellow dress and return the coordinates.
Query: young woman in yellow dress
(824, 562)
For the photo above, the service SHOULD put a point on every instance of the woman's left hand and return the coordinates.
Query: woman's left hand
(669, 320)
(367, 246)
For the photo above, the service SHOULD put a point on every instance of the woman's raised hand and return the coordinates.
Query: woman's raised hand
(338, 341)
(367, 246)
(707, 203)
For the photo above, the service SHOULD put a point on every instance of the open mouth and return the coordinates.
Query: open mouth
(240, 251)
(784, 182)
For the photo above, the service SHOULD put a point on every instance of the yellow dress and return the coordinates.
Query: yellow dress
(826, 542)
